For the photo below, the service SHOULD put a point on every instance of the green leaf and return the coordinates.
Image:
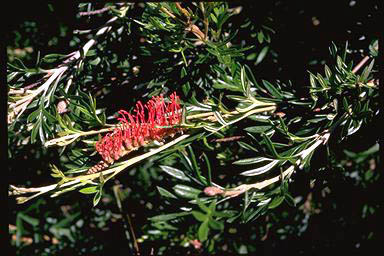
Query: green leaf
(345, 51)
(312, 80)
(322, 81)
(258, 129)
(178, 174)
(252, 78)
(252, 56)
(345, 104)
(34, 131)
(196, 167)
(165, 192)
(276, 202)
(208, 169)
(290, 200)
(254, 213)
(203, 231)
(95, 62)
(246, 146)
(260, 37)
(89, 190)
(340, 64)
(199, 216)
(50, 58)
(270, 145)
(261, 170)
(219, 84)
(262, 55)
(216, 224)
(49, 116)
(224, 214)
(253, 160)
(32, 221)
(171, 216)
(97, 197)
(367, 71)
(272, 89)
(186, 191)
(202, 206)
(328, 72)
(213, 18)
(33, 115)
(368, 175)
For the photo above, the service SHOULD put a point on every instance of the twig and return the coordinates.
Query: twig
(188, 27)
(17, 108)
(227, 139)
(287, 173)
(126, 219)
(360, 64)
(83, 179)
(74, 182)
(205, 20)
(95, 11)
(170, 14)
(65, 140)
(182, 10)
(34, 84)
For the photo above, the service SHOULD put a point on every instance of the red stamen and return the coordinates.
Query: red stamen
(140, 128)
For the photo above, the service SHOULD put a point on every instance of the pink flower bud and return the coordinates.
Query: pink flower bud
(212, 191)
(196, 243)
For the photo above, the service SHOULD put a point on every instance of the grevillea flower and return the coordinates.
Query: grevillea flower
(153, 121)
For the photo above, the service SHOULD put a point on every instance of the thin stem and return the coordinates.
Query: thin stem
(95, 11)
(205, 20)
(287, 173)
(126, 219)
(18, 108)
(67, 139)
(360, 64)
(109, 173)
(82, 180)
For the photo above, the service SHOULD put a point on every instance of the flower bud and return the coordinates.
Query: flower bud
(212, 191)
(62, 106)
(196, 243)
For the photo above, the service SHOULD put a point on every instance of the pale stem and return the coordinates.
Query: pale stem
(360, 64)
(82, 180)
(287, 173)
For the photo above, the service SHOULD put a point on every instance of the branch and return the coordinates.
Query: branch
(17, 108)
(188, 26)
(74, 182)
(68, 139)
(234, 192)
(126, 219)
(84, 179)
(95, 11)
(360, 64)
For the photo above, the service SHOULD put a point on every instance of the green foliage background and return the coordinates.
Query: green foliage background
(332, 203)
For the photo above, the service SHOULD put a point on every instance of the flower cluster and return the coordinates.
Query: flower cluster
(153, 121)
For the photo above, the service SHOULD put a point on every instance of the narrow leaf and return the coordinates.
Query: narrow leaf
(253, 160)
(203, 231)
(178, 174)
(260, 170)
(186, 191)
(165, 192)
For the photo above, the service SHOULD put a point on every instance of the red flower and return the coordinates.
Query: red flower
(153, 121)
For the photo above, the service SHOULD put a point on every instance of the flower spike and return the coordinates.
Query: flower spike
(148, 123)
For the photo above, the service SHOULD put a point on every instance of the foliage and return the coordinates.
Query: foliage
(245, 144)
